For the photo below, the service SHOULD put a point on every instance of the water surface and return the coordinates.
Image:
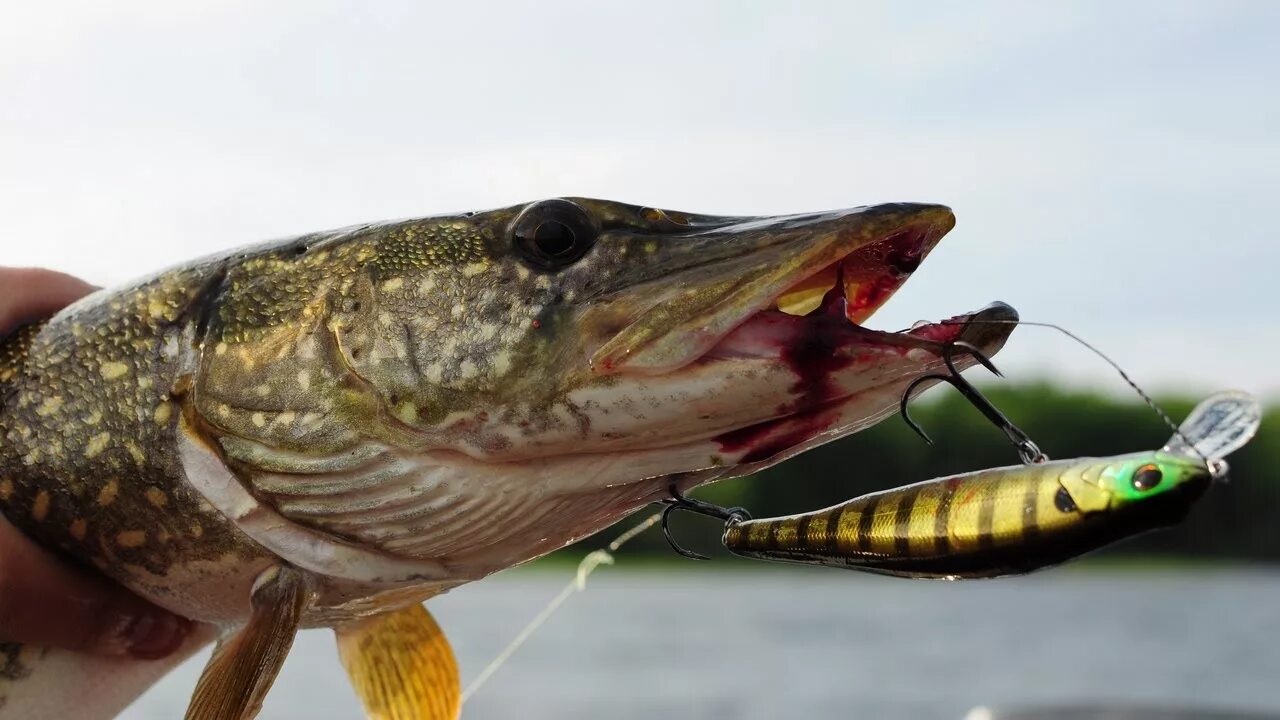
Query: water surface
(752, 644)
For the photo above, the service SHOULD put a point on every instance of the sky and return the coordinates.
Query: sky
(1114, 167)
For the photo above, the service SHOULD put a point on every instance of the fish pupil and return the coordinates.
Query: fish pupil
(554, 238)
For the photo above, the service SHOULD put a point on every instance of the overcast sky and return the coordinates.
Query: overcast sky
(1114, 166)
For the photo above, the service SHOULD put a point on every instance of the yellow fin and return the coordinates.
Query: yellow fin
(401, 666)
(807, 296)
(244, 665)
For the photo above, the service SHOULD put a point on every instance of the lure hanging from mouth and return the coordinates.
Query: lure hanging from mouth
(1011, 520)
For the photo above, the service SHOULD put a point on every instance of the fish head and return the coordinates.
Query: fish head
(559, 363)
(647, 327)
(606, 331)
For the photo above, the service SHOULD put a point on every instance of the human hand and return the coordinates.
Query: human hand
(45, 600)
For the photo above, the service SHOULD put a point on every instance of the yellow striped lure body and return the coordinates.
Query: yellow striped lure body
(1011, 520)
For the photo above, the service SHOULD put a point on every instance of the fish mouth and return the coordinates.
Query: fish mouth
(847, 262)
(847, 377)
(779, 329)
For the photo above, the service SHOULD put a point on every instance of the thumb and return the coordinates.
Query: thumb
(46, 601)
(32, 293)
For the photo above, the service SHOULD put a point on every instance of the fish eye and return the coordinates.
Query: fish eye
(553, 234)
(1147, 477)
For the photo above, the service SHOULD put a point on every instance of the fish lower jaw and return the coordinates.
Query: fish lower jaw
(824, 353)
(817, 345)
(776, 375)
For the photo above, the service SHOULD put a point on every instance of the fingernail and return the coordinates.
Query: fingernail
(154, 635)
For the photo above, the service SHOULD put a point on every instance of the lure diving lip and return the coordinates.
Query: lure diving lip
(1011, 520)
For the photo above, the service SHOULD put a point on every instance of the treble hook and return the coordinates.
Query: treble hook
(679, 501)
(1027, 449)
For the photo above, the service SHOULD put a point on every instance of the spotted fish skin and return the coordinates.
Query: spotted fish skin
(90, 401)
(88, 405)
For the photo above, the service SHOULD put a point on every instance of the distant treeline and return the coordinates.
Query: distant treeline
(1239, 520)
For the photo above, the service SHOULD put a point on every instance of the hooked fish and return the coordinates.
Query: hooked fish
(1011, 520)
(326, 431)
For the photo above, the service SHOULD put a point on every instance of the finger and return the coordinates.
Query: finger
(31, 293)
(45, 601)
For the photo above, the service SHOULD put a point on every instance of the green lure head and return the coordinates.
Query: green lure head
(1177, 473)
(1113, 483)
(1141, 476)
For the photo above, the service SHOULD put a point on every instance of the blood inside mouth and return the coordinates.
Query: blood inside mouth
(865, 278)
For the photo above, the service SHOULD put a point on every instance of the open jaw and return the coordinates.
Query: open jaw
(796, 361)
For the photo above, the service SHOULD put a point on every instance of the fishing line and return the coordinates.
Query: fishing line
(589, 563)
(1124, 375)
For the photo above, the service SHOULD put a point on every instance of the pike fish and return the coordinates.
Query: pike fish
(1011, 520)
(325, 431)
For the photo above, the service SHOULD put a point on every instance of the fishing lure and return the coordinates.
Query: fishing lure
(989, 523)
(1011, 520)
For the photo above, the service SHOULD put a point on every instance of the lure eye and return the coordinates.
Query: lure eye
(553, 234)
(1147, 477)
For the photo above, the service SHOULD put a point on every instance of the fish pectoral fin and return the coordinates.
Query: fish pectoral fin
(245, 664)
(401, 666)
